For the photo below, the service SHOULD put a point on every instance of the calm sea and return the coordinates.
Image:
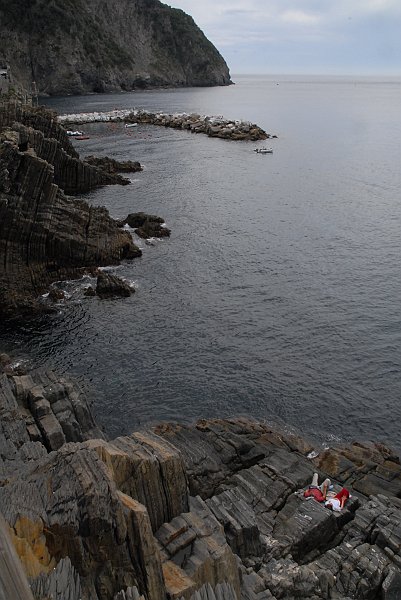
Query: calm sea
(279, 292)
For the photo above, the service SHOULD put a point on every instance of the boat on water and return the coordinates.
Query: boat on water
(128, 125)
(74, 133)
(263, 150)
(82, 137)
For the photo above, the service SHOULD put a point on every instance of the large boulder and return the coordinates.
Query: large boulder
(109, 286)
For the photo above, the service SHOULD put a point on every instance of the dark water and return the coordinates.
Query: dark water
(279, 292)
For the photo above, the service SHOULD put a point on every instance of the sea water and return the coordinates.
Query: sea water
(278, 294)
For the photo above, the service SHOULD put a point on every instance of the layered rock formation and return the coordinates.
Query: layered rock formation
(45, 235)
(206, 512)
(97, 46)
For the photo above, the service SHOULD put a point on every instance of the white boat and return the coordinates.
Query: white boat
(74, 133)
(127, 125)
(263, 150)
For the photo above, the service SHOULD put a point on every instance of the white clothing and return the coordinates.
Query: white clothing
(335, 503)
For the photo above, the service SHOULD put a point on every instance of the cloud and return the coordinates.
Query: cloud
(302, 35)
(299, 17)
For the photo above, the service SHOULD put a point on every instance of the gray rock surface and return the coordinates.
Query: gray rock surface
(46, 236)
(109, 286)
(212, 511)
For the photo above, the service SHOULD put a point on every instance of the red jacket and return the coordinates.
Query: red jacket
(316, 493)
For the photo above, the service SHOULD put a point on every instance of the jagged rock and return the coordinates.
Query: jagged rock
(90, 291)
(138, 219)
(150, 229)
(44, 235)
(130, 459)
(370, 468)
(39, 412)
(108, 286)
(147, 226)
(70, 173)
(110, 165)
(195, 552)
(13, 582)
(114, 521)
(129, 594)
(63, 583)
(56, 295)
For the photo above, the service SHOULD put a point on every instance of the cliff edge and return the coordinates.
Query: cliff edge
(212, 511)
(76, 47)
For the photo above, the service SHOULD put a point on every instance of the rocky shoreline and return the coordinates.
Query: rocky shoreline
(210, 511)
(46, 234)
(217, 127)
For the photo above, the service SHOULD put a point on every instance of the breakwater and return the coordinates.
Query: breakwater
(211, 126)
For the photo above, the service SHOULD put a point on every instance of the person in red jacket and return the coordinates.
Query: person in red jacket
(318, 492)
(338, 501)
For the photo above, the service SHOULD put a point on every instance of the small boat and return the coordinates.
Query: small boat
(82, 137)
(263, 150)
(74, 133)
(127, 125)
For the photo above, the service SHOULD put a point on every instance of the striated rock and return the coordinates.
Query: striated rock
(146, 457)
(211, 511)
(46, 236)
(109, 286)
(13, 582)
(195, 552)
(110, 165)
(63, 583)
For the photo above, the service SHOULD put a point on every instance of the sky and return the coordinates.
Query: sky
(336, 37)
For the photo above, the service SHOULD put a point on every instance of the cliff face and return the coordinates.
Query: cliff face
(45, 235)
(79, 46)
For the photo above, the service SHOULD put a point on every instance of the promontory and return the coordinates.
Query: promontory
(75, 47)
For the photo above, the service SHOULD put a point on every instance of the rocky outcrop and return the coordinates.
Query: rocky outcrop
(109, 286)
(213, 511)
(110, 165)
(97, 46)
(147, 226)
(45, 235)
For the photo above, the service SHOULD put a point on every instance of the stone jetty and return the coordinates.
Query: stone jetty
(210, 511)
(211, 126)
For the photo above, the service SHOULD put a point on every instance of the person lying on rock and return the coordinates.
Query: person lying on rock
(318, 492)
(338, 501)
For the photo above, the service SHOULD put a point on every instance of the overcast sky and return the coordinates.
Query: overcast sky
(303, 36)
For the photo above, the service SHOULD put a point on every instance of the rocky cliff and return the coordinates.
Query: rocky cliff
(204, 512)
(77, 46)
(45, 235)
